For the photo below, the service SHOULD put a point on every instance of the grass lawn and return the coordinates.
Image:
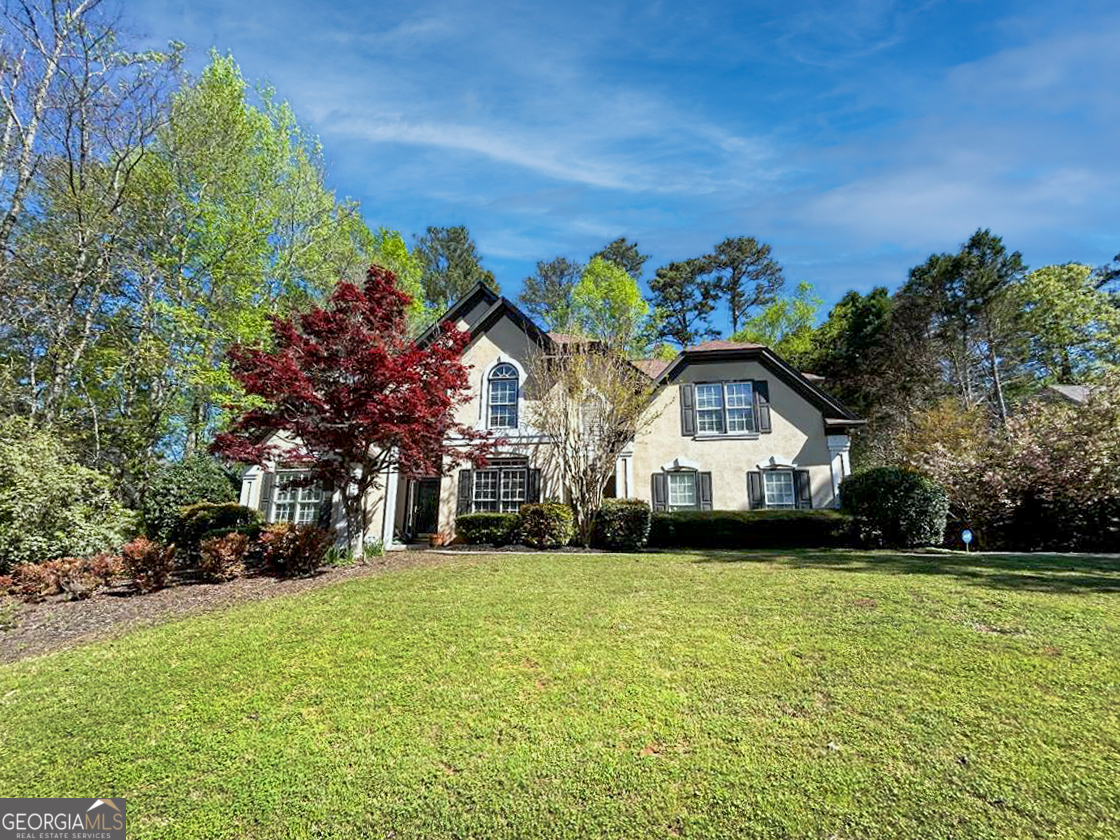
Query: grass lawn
(799, 694)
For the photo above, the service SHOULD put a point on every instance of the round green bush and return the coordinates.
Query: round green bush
(206, 519)
(486, 528)
(547, 525)
(895, 507)
(177, 485)
(622, 524)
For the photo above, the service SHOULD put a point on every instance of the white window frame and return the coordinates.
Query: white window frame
(678, 474)
(514, 406)
(773, 503)
(725, 409)
(506, 487)
(305, 504)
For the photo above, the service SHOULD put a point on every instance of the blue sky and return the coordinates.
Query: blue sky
(855, 137)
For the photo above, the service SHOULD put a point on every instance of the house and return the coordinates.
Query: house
(736, 428)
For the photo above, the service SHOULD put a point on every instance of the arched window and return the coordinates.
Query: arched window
(503, 397)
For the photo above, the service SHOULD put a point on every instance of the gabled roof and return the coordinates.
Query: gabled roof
(720, 344)
(651, 367)
(498, 306)
(1077, 394)
(480, 292)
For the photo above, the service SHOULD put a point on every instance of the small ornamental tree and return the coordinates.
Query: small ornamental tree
(346, 382)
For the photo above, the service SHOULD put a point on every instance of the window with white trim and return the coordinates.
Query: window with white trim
(501, 488)
(779, 488)
(683, 490)
(295, 500)
(502, 402)
(725, 408)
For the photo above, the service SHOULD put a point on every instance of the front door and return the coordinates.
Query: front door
(425, 506)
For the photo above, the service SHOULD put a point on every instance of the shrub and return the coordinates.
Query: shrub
(622, 524)
(222, 558)
(546, 525)
(51, 506)
(206, 519)
(342, 557)
(293, 550)
(896, 507)
(750, 529)
(76, 577)
(148, 563)
(487, 528)
(181, 484)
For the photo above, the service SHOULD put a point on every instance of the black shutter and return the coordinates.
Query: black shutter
(802, 489)
(533, 489)
(326, 507)
(660, 491)
(465, 487)
(688, 409)
(265, 502)
(705, 491)
(762, 406)
(755, 496)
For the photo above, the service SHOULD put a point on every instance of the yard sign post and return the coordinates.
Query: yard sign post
(966, 535)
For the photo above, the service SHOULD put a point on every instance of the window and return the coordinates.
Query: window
(295, 501)
(501, 488)
(724, 408)
(778, 485)
(682, 490)
(503, 397)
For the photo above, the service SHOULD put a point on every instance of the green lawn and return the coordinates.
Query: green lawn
(824, 695)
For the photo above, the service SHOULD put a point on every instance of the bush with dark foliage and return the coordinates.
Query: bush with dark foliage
(546, 525)
(177, 485)
(895, 507)
(148, 563)
(487, 528)
(622, 524)
(750, 529)
(222, 557)
(76, 577)
(206, 519)
(289, 550)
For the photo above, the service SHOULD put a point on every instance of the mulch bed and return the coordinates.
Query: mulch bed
(54, 624)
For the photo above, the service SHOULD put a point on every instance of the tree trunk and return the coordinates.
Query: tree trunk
(997, 382)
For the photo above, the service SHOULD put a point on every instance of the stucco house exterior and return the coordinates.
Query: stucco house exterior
(736, 428)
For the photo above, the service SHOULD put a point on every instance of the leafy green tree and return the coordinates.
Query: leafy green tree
(624, 254)
(450, 263)
(607, 305)
(786, 325)
(684, 297)
(547, 295)
(177, 484)
(1073, 326)
(746, 275)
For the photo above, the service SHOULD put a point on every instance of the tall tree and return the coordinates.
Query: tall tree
(358, 395)
(451, 267)
(786, 325)
(746, 275)
(625, 255)
(547, 295)
(608, 306)
(684, 297)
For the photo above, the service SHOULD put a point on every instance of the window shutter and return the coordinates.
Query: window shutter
(326, 507)
(705, 491)
(265, 503)
(533, 489)
(688, 409)
(802, 489)
(762, 406)
(755, 496)
(465, 486)
(660, 491)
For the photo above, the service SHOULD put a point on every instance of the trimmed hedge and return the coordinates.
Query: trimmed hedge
(180, 484)
(486, 528)
(622, 524)
(547, 525)
(207, 519)
(895, 507)
(750, 529)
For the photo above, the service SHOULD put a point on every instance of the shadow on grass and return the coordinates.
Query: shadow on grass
(1059, 573)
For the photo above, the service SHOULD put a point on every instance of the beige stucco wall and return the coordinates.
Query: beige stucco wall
(798, 435)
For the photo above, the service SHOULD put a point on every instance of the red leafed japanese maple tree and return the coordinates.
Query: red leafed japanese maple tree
(347, 383)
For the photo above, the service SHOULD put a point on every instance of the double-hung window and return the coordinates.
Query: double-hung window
(501, 488)
(779, 488)
(724, 408)
(295, 500)
(503, 387)
(683, 493)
